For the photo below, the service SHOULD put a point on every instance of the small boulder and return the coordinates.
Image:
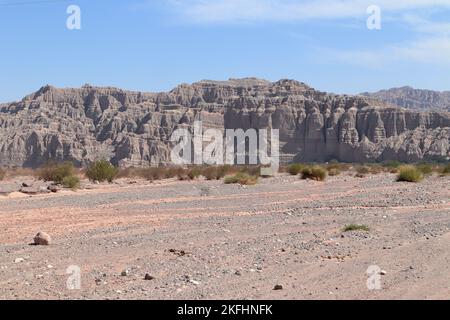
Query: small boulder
(148, 277)
(53, 188)
(42, 239)
(278, 287)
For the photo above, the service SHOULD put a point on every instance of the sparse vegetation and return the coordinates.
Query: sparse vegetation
(316, 173)
(194, 172)
(446, 170)
(425, 168)
(340, 167)
(102, 171)
(71, 182)
(409, 173)
(362, 170)
(356, 227)
(392, 164)
(295, 168)
(241, 178)
(2, 174)
(334, 172)
(56, 172)
(215, 172)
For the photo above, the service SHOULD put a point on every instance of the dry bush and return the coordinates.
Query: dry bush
(56, 172)
(2, 174)
(446, 170)
(334, 172)
(362, 170)
(295, 168)
(425, 168)
(241, 178)
(356, 227)
(314, 173)
(409, 173)
(341, 167)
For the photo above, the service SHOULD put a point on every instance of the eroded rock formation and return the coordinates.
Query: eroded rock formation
(134, 129)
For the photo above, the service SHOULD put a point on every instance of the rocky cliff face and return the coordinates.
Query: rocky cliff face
(415, 99)
(134, 129)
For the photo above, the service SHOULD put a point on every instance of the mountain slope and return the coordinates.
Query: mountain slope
(134, 128)
(411, 98)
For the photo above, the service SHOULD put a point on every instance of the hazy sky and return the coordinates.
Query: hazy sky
(155, 45)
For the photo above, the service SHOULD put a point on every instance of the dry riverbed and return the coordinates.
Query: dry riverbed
(208, 240)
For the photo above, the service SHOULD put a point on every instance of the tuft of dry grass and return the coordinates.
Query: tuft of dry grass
(409, 173)
(356, 227)
(316, 173)
(446, 170)
(295, 168)
(241, 178)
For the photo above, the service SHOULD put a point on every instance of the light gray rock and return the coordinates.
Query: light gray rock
(134, 128)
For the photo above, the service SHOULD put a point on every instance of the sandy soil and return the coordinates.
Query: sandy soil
(207, 240)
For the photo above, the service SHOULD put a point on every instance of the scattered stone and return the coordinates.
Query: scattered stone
(148, 277)
(19, 260)
(53, 188)
(180, 253)
(238, 273)
(278, 287)
(42, 239)
(125, 273)
(383, 273)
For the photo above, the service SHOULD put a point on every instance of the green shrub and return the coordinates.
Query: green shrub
(295, 168)
(102, 171)
(409, 174)
(314, 173)
(241, 178)
(2, 174)
(446, 170)
(425, 168)
(356, 227)
(71, 182)
(56, 172)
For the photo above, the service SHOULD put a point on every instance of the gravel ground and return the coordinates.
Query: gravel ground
(207, 240)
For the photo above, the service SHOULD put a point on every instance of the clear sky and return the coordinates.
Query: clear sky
(153, 45)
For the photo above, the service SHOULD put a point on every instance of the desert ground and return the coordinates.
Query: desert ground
(207, 240)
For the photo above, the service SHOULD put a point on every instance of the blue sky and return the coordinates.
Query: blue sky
(156, 45)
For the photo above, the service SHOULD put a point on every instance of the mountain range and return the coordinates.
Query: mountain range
(416, 99)
(134, 128)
